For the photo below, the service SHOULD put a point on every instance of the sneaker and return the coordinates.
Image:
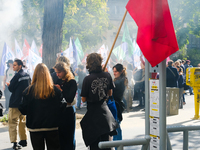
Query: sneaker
(16, 146)
(23, 143)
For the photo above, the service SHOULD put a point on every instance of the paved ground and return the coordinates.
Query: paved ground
(133, 127)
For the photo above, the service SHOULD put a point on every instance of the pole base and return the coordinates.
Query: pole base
(195, 118)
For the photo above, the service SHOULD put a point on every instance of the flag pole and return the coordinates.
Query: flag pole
(115, 40)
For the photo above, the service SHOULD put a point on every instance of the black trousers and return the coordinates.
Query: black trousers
(67, 129)
(94, 146)
(51, 138)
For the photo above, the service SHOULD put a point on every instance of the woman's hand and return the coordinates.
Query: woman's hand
(58, 86)
(7, 83)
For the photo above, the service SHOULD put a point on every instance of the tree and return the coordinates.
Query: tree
(85, 19)
(186, 19)
(31, 27)
(52, 31)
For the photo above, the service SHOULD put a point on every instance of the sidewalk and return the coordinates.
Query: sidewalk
(133, 127)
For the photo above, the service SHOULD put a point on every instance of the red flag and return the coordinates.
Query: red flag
(25, 49)
(156, 37)
(40, 50)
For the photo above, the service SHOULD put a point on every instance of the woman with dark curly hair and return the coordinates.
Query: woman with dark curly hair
(98, 122)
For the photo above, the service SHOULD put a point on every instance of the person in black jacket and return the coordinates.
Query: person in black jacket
(171, 75)
(41, 105)
(68, 87)
(98, 122)
(120, 82)
(16, 86)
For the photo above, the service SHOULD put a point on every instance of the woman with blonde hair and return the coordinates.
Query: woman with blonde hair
(68, 87)
(41, 105)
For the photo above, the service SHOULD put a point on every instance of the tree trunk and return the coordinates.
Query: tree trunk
(52, 31)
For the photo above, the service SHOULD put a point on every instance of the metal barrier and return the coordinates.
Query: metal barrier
(145, 141)
(121, 143)
(185, 130)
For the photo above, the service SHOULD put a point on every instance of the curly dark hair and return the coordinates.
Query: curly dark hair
(94, 61)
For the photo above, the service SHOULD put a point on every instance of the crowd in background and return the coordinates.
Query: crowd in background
(48, 102)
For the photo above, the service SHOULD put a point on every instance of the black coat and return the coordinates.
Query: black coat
(41, 113)
(172, 77)
(18, 84)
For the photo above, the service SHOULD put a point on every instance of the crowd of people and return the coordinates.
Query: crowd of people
(46, 104)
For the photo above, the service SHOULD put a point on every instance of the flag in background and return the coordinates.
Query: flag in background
(69, 52)
(136, 55)
(18, 50)
(156, 36)
(34, 48)
(127, 38)
(120, 51)
(3, 60)
(33, 60)
(104, 53)
(9, 54)
(79, 49)
(75, 56)
(40, 50)
(25, 49)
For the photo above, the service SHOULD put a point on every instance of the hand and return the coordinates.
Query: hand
(58, 86)
(7, 83)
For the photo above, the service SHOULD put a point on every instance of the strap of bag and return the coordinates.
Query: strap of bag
(171, 72)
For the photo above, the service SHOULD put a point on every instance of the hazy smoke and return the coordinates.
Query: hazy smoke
(11, 18)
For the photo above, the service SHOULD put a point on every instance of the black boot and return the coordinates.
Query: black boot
(16, 146)
(23, 143)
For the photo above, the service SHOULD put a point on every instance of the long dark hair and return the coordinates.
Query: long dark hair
(120, 68)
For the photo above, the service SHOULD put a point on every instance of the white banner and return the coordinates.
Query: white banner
(9, 54)
(34, 48)
(33, 60)
(18, 50)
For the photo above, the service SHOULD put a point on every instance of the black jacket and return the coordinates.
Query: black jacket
(18, 84)
(41, 113)
(172, 77)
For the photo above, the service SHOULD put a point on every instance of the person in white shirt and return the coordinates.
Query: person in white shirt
(9, 73)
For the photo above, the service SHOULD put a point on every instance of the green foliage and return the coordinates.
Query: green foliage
(85, 19)
(4, 118)
(194, 56)
(186, 19)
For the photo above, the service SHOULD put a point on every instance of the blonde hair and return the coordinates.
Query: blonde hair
(64, 59)
(42, 82)
(61, 66)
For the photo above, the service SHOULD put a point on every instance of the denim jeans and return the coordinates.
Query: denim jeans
(79, 99)
(190, 90)
(119, 134)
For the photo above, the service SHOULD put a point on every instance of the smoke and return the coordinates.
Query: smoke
(11, 13)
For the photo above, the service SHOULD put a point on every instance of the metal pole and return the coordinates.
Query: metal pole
(185, 140)
(169, 147)
(147, 76)
(162, 105)
(120, 147)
